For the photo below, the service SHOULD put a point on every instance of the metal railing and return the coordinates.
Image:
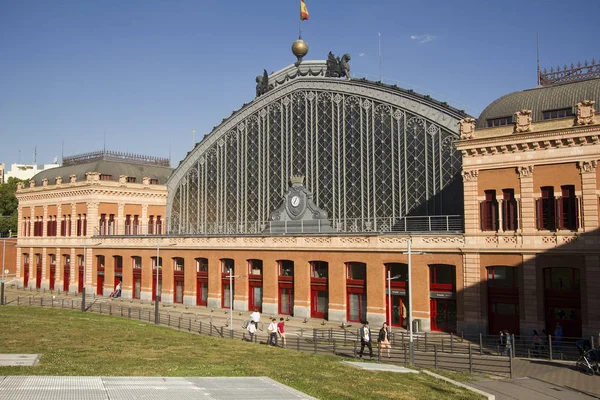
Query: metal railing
(430, 351)
(431, 223)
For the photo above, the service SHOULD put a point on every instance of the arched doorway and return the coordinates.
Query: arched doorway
(356, 292)
(255, 279)
(227, 290)
(397, 296)
(201, 281)
(319, 304)
(286, 287)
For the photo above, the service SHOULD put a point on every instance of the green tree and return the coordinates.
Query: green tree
(9, 207)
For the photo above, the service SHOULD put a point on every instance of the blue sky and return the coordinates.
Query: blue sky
(144, 74)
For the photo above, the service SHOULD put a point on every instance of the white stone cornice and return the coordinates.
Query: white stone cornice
(549, 139)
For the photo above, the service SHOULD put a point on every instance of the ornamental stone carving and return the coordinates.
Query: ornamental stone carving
(587, 166)
(92, 177)
(585, 112)
(73, 178)
(466, 128)
(45, 182)
(32, 183)
(123, 179)
(58, 180)
(20, 185)
(525, 172)
(470, 176)
(146, 180)
(523, 121)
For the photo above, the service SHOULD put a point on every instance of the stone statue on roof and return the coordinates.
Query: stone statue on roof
(338, 67)
(262, 84)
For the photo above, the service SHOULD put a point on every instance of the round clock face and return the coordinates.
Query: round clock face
(295, 201)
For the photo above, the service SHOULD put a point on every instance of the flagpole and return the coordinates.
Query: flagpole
(300, 23)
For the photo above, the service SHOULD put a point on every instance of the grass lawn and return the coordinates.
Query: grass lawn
(72, 343)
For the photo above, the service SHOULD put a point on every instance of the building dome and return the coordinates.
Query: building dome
(541, 99)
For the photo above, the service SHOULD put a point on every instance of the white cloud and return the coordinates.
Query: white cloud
(423, 38)
(362, 55)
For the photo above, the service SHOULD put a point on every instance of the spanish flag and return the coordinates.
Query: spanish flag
(303, 11)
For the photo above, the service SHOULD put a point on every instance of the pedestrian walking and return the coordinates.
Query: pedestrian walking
(365, 339)
(272, 329)
(508, 343)
(252, 330)
(558, 332)
(537, 343)
(384, 339)
(281, 331)
(255, 316)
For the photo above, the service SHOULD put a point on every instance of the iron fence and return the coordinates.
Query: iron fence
(431, 351)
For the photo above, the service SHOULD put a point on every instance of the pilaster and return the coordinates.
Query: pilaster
(588, 194)
(59, 220)
(527, 208)
(45, 224)
(144, 221)
(472, 293)
(591, 295)
(337, 291)
(529, 296)
(470, 180)
(45, 269)
(121, 219)
(92, 218)
(72, 225)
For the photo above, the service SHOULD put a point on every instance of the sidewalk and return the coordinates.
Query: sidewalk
(542, 380)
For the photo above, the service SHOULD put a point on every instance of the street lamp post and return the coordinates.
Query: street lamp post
(231, 276)
(389, 285)
(410, 328)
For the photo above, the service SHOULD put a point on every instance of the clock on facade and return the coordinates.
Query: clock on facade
(295, 201)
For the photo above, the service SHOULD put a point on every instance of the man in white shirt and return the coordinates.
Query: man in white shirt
(272, 333)
(255, 316)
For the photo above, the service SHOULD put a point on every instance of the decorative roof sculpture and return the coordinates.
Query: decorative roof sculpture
(338, 67)
(262, 84)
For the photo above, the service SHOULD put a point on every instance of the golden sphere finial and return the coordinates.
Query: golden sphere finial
(300, 49)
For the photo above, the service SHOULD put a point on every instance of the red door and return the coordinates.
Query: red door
(137, 283)
(38, 276)
(286, 298)
(81, 279)
(26, 275)
(66, 276)
(52, 276)
(201, 291)
(255, 303)
(443, 315)
(319, 303)
(399, 310)
(100, 284)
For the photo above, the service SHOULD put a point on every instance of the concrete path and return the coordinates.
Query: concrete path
(131, 388)
(543, 380)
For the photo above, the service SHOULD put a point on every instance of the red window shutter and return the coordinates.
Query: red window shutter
(482, 215)
(577, 205)
(538, 212)
(562, 217)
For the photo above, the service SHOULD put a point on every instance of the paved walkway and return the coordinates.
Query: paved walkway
(156, 388)
(543, 380)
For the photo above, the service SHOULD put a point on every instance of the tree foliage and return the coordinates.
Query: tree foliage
(9, 207)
